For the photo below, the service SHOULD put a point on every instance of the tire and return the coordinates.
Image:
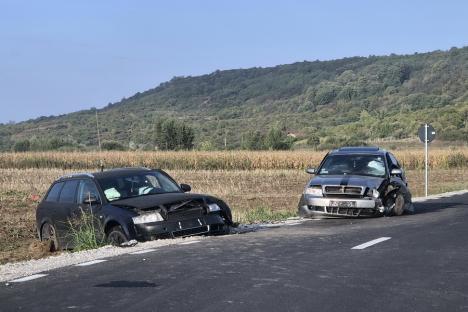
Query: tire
(116, 236)
(399, 207)
(49, 234)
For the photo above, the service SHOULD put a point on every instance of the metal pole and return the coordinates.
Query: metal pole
(426, 157)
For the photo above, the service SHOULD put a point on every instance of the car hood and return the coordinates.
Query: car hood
(354, 180)
(158, 200)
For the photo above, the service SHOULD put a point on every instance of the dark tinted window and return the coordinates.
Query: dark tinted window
(87, 188)
(68, 192)
(54, 192)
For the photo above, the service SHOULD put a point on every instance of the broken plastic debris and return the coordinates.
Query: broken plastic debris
(130, 243)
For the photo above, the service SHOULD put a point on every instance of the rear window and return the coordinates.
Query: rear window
(68, 192)
(54, 192)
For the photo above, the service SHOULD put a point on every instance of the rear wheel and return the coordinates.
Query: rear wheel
(116, 236)
(49, 235)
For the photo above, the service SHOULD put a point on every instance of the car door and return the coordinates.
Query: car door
(49, 210)
(66, 205)
(86, 210)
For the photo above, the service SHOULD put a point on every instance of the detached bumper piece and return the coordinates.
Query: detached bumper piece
(208, 224)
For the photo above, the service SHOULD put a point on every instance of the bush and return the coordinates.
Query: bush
(22, 146)
(112, 146)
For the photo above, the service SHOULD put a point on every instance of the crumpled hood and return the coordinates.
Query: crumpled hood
(352, 180)
(155, 200)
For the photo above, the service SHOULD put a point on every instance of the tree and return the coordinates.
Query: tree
(278, 140)
(112, 146)
(173, 135)
(313, 140)
(22, 146)
(253, 140)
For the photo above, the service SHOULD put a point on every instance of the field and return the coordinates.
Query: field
(258, 186)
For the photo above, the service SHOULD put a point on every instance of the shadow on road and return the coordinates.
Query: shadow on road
(434, 205)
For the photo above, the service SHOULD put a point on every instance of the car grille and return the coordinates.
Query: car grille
(343, 190)
(184, 214)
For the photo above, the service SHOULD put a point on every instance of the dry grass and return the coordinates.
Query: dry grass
(244, 190)
(222, 160)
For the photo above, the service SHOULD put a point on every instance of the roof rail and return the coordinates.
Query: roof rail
(359, 148)
(75, 175)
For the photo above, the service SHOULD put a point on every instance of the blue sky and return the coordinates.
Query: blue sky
(63, 56)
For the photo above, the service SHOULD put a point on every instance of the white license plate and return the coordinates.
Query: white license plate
(342, 204)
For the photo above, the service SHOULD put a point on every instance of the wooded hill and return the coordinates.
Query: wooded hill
(327, 102)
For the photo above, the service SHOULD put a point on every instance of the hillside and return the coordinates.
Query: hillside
(360, 98)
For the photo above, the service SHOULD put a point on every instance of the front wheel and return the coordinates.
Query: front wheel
(399, 205)
(49, 235)
(116, 236)
(394, 204)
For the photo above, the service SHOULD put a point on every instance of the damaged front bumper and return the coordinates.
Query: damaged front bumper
(316, 207)
(207, 224)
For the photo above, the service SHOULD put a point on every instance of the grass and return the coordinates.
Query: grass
(86, 232)
(263, 214)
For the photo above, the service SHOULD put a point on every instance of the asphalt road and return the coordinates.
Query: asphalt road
(305, 267)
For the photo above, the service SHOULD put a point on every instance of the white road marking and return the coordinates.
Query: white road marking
(139, 252)
(372, 242)
(188, 243)
(90, 262)
(28, 278)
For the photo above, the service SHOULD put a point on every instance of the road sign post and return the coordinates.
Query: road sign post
(426, 134)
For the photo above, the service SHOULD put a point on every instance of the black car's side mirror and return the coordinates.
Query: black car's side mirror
(91, 200)
(310, 170)
(185, 188)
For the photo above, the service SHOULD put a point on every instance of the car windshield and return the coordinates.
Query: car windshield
(365, 165)
(137, 184)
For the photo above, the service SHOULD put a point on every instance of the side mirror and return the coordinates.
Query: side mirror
(185, 188)
(396, 171)
(91, 200)
(310, 170)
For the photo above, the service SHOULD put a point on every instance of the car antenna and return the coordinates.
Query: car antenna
(101, 163)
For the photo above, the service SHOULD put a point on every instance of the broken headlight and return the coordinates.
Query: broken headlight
(213, 208)
(148, 218)
(315, 190)
(373, 193)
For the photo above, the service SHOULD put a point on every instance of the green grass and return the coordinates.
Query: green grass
(86, 232)
(265, 214)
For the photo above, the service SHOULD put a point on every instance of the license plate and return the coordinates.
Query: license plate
(342, 204)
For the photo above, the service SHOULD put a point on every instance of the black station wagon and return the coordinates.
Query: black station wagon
(127, 204)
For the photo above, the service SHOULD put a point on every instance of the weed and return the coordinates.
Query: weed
(86, 232)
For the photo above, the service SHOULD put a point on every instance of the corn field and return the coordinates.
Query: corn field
(219, 160)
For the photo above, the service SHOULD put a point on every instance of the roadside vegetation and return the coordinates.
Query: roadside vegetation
(86, 232)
